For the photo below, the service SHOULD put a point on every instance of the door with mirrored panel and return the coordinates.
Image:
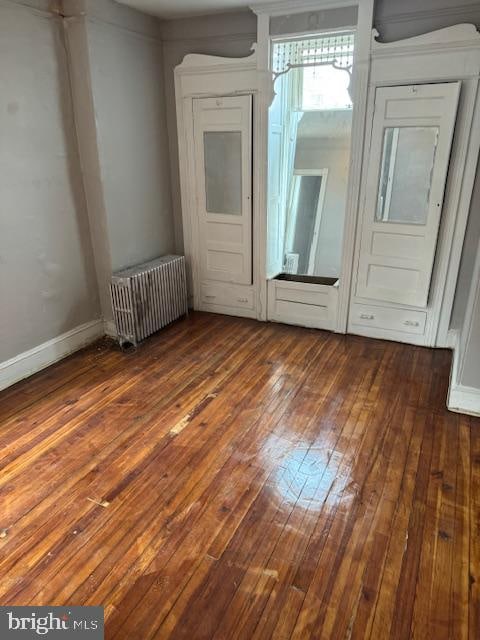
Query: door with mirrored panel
(222, 134)
(406, 176)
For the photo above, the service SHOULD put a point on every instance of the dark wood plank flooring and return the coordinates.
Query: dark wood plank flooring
(234, 479)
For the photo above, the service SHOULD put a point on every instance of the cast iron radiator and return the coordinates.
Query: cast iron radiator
(147, 297)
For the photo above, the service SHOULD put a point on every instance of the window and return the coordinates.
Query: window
(325, 88)
(320, 70)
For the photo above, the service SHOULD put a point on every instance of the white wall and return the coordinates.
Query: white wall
(47, 278)
(84, 169)
(128, 95)
(118, 86)
(395, 20)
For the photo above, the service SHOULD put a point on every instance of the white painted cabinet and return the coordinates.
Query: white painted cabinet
(223, 167)
(216, 98)
(414, 147)
(406, 177)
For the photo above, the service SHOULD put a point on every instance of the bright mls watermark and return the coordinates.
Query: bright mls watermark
(80, 623)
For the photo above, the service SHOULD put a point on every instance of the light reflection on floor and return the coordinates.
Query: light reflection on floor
(305, 474)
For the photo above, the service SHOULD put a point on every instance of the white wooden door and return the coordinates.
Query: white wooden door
(406, 175)
(223, 161)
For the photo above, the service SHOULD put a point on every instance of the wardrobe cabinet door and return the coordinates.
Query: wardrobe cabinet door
(223, 162)
(406, 176)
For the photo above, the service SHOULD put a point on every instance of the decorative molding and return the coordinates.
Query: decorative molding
(36, 359)
(289, 7)
(200, 62)
(201, 75)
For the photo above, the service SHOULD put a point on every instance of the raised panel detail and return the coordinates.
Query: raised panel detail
(396, 245)
(412, 107)
(225, 261)
(218, 113)
(386, 277)
(404, 320)
(220, 232)
(227, 296)
(223, 173)
(305, 304)
(290, 294)
(406, 175)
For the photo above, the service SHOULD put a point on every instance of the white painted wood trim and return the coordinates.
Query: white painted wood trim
(467, 178)
(36, 359)
(360, 82)
(303, 304)
(200, 76)
(289, 7)
(452, 339)
(262, 103)
(204, 63)
(456, 52)
(110, 329)
(461, 399)
(427, 61)
(464, 400)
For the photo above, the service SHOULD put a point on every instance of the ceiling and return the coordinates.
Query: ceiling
(183, 8)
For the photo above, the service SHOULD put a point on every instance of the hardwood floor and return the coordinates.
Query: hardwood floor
(234, 479)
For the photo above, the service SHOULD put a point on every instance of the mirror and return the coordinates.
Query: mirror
(303, 222)
(310, 123)
(407, 163)
(223, 172)
(316, 195)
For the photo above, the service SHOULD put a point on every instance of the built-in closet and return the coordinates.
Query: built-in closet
(326, 178)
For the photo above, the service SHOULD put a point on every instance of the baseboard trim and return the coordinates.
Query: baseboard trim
(460, 399)
(452, 339)
(110, 329)
(36, 359)
(464, 400)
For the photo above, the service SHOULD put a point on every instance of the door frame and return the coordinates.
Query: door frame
(446, 55)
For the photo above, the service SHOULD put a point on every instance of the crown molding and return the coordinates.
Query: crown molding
(289, 7)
